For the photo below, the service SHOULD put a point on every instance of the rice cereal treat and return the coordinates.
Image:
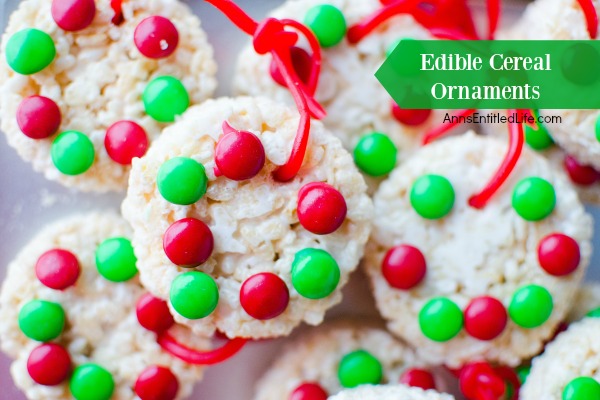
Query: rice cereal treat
(390, 392)
(569, 368)
(84, 87)
(341, 354)
(231, 247)
(359, 110)
(461, 282)
(68, 311)
(587, 302)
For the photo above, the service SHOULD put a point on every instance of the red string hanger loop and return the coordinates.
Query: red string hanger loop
(591, 17)
(117, 7)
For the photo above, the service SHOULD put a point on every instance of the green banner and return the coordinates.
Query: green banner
(500, 74)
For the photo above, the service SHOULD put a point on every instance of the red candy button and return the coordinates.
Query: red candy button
(404, 267)
(156, 37)
(409, 117)
(309, 391)
(239, 155)
(264, 296)
(416, 377)
(479, 381)
(73, 15)
(153, 313)
(188, 242)
(49, 364)
(485, 318)
(321, 208)
(581, 174)
(38, 117)
(156, 383)
(125, 140)
(302, 63)
(57, 269)
(558, 254)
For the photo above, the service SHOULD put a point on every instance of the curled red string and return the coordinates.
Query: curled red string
(117, 7)
(493, 14)
(591, 17)
(515, 146)
(191, 356)
(442, 129)
(270, 36)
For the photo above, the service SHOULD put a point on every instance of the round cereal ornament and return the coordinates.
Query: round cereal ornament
(568, 368)
(339, 355)
(390, 392)
(250, 257)
(485, 280)
(86, 85)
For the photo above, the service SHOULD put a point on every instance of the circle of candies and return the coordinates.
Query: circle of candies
(188, 242)
(43, 321)
(404, 266)
(30, 51)
(360, 367)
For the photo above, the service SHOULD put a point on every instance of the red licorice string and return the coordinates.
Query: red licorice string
(515, 146)
(270, 36)
(591, 17)
(493, 14)
(191, 356)
(442, 129)
(117, 6)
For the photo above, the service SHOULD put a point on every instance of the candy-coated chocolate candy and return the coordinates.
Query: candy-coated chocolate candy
(584, 175)
(115, 259)
(440, 319)
(302, 63)
(182, 180)
(375, 154)
(485, 318)
(582, 388)
(595, 313)
(156, 37)
(410, 117)
(29, 51)
(153, 313)
(534, 198)
(315, 273)
(156, 383)
(359, 368)
(404, 267)
(165, 98)
(49, 364)
(432, 196)
(73, 15)
(38, 117)
(416, 377)
(239, 155)
(309, 391)
(479, 377)
(530, 306)
(57, 269)
(597, 128)
(321, 208)
(523, 372)
(72, 153)
(538, 139)
(194, 294)
(124, 141)
(188, 242)
(91, 382)
(327, 23)
(558, 254)
(264, 296)
(41, 320)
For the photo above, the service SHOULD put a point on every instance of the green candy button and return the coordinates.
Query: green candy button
(598, 128)
(29, 51)
(72, 153)
(91, 382)
(534, 198)
(538, 139)
(582, 388)
(164, 98)
(182, 181)
(327, 23)
(375, 154)
(42, 320)
(440, 319)
(115, 259)
(523, 373)
(594, 313)
(432, 196)
(530, 306)
(358, 368)
(315, 273)
(194, 294)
